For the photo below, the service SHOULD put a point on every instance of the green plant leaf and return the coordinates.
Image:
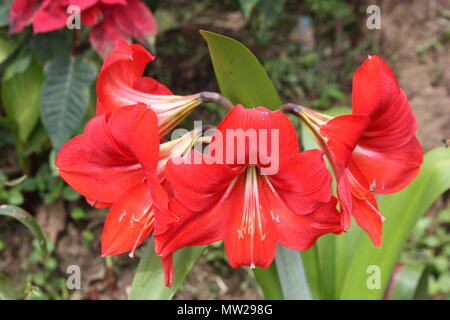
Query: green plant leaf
(401, 210)
(20, 96)
(292, 274)
(247, 7)
(241, 77)
(7, 289)
(65, 96)
(28, 220)
(148, 282)
(7, 46)
(408, 282)
(269, 282)
(5, 6)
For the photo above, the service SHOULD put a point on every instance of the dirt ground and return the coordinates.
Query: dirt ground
(413, 40)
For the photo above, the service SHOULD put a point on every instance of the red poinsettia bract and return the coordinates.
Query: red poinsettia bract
(235, 202)
(112, 20)
(113, 163)
(373, 150)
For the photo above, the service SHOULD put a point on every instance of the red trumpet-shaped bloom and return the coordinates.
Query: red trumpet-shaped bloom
(235, 202)
(120, 83)
(112, 20)
(373, 150)
(113, 163)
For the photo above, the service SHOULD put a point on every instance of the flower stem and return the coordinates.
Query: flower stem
(207, 96)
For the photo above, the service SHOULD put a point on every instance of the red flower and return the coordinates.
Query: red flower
(120, 83)
(112, 20)
(235, 202)
(114, 163)
(372, 150)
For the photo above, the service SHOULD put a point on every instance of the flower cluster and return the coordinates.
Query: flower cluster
(112, 20)
(121, 162)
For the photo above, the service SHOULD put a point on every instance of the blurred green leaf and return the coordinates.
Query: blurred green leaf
(5, 5)
(65, 95)
(7, 46)
(401, 210)
(292, 274)
(408, 282)
(148, 283)
(51, 45)
(28, 220)
(241, 77)
(7, 289)
(247, 7)
(20, 95)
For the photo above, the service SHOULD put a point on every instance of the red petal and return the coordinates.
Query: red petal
(135, 128)
(150, 85)
(369, 218)
(198, 185)
(343, 134)
(249, 244)
(256, 128)
(114, 154)
(129, 221)
(392, 170)
(194, 228)
(21, 13)
(82, 169)
(49, 17)
(202, 200)
(104, 37)
(365, 209)
(92, 16)
(111, 2)
(303, 181)
(136, 20)
(299, 232)
(169, 272)
(120, 81)
(376, 93)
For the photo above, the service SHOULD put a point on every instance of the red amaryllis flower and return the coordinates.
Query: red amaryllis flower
(114, 163)
(112, 20)
(120, 83)
(372, 150)
(236, 203)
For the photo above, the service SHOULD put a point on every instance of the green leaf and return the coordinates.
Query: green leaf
(7, 47)
(5, 6)
(247, 7)
(65, 96)
(148, 283)
(401, 210)
(7, 289)
(269, 282)
(50, 45)
(292, 274)
(20, 96)
(28, 220)
(241, 77)
(408, 282)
